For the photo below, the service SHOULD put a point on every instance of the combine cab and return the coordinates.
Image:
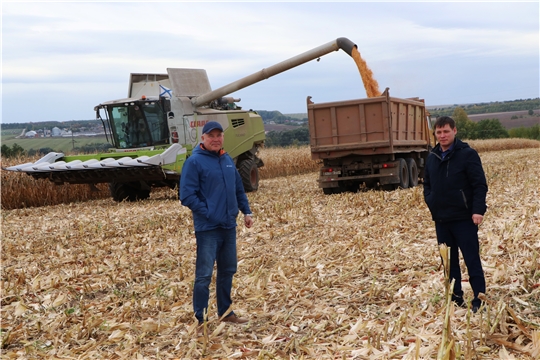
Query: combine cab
(155, 128)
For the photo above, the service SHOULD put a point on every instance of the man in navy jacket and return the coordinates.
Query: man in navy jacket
(455, 191)
(211, 187)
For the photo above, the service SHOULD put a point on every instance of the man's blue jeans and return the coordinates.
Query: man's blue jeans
(214, 246)
(463, 235)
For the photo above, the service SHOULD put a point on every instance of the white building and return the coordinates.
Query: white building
(56, 131)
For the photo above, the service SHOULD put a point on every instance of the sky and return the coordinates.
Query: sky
(60, 59)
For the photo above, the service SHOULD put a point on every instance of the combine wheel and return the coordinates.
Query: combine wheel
(403, 174)
(413, 172)
(249, 172)
(128, 192)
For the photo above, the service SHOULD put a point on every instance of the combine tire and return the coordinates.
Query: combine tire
(413, 172)
(128, 192)
(250, 174)
(403, 174)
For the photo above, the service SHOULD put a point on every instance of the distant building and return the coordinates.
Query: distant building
(56, 131)
(30, 134)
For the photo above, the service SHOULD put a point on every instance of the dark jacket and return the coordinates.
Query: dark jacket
(211, 187)
(455, 187)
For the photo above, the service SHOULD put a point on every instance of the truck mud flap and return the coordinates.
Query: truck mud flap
(388, 176)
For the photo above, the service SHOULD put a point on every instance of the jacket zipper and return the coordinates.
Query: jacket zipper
(464, 198)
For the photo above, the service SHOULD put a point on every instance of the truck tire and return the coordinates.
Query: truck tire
(128, 192)
(249, 172)
(403, 174)
(413, 172)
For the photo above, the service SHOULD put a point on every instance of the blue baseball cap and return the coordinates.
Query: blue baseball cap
(211, 125)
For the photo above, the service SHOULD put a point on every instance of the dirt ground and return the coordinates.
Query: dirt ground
(345, 276)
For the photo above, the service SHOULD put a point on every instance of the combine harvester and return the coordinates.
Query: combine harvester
(155, 128)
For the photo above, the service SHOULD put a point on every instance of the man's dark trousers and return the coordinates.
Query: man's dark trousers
(463, 235)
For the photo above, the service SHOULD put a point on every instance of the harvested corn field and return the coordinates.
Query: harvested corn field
(352, 275)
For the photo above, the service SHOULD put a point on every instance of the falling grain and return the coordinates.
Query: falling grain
(370, 84)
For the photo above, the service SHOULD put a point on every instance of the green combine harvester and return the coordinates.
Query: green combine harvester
(155, 128)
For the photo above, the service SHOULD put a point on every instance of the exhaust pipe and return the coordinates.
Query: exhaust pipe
(340, 43)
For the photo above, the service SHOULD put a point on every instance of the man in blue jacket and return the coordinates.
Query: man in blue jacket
(211, 187)
(455, 191)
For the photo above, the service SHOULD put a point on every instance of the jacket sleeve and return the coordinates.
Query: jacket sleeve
(477, 181)
(241, 196)
(190, 188)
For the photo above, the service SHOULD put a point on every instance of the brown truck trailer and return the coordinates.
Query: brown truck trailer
(379, 142)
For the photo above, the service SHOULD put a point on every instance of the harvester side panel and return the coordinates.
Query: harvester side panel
(246, 131)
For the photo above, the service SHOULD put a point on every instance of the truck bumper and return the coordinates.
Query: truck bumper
(389, 175)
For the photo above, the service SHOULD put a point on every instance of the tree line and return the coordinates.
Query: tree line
(489, 128)
(467, 129)
(286, 138)
(491, 107)
(277, 117)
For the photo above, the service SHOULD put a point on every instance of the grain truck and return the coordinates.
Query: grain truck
(154, 129)
(379, 142)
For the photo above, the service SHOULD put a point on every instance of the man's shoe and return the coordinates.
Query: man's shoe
(459, 301)
(234, 319)
(476, 307)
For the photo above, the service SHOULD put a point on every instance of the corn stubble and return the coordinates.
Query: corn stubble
(352, 275)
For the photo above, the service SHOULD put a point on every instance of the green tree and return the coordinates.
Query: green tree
(6, 151)
(532, 132)
(14, 151)
(490, 129)
(17, 150)
(465, 127)
(531, 112)
(294, 137)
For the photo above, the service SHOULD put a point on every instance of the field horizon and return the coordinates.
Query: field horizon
(509, 120)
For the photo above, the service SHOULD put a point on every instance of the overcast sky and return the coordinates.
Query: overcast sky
(60, 59)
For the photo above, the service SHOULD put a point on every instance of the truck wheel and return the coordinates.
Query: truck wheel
(249, 172)
(127, 192)
(413, 172)
(403, 174)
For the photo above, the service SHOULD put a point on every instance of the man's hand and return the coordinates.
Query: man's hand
(248, 220)
(477, 219)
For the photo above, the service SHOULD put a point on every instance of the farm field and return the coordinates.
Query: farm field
(64, 145)
(523, 118)
(352, 275)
